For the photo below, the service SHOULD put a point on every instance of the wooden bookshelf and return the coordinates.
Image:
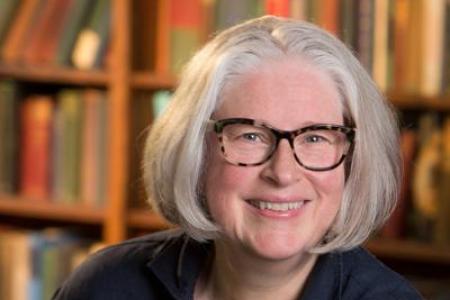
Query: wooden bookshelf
(55, 75)
(401, 100)
(37, 209)
(410, 250)
(152, 81)
(144, 219)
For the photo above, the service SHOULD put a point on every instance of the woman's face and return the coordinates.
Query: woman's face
(287, 94)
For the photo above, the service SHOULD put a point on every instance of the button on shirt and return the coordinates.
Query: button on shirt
(166, 265)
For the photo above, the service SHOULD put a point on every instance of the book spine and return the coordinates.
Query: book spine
(35, 141)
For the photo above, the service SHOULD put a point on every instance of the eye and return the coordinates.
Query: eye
(251, 137)
(314, 139)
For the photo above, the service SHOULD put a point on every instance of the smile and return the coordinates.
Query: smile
(276, 206)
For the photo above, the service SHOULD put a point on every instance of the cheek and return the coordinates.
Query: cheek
(331, 182)
(329, 188)
(225, 186)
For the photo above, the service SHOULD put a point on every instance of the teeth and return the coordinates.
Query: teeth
(277, 206)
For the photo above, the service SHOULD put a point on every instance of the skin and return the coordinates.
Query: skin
(263, 254)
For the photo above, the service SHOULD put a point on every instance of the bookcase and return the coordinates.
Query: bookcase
(137, 63)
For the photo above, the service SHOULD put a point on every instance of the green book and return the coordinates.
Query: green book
(231, 12)
(183, 44)
(70, 118)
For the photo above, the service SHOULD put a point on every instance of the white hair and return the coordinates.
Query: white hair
(175, 150)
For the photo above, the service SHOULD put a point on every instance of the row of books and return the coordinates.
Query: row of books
(33, 264)
(403, 44)
(55, 32)
(54, 146)
(423, 211)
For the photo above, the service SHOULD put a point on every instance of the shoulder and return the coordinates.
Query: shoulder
(120, 270)
(365, 277)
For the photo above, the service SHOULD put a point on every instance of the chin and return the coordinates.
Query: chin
(279, 249)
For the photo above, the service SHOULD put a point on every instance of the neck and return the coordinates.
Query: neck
(238, 274)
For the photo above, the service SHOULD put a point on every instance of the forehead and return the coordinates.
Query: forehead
(287, 93)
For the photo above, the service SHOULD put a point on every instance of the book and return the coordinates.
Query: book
(432, 47)
(380, 43)
(186, 31)
(446, 65)
(9, 132)
(160, 101)
(8, 10)
(144, 28)
(75, 20)
(92, 40)
(329, 16)
(280, 8)
(400, 42)
(34, 263)
(94, 148)
(21, 30)
(442, 230)
(349, 22)
(297, 10)
(67, 146)
(53, 33)
(35, 143)
(396, 226)
(413, 57)
(230, 12)
(364, 41)
(38, 32)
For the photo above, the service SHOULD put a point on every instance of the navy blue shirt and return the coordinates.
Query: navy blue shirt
(166, 265)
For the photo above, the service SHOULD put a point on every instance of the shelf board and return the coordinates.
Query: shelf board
(140, 218)
(418, 102)
(27, 208)
(150, 80)
(410, 250)
(53, 75)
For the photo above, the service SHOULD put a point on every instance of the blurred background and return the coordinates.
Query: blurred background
(82, 80)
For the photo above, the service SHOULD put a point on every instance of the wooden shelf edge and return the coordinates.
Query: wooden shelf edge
(146, 219)
(26, 208)
(59, 75)
(419, 102)
(410, 250)
(151, 80)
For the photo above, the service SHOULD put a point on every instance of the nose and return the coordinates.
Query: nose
(282, 169)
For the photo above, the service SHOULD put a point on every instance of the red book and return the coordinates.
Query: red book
(279, 8)
(46, 32)
(329, 16)
(35, 144)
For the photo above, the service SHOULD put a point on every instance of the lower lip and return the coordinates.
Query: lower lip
(288, 214)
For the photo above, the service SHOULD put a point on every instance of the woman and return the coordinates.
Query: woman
(277, 158)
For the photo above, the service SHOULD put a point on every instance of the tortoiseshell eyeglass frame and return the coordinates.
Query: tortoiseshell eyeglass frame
(219, 125)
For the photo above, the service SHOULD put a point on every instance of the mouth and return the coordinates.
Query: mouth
(277, 206)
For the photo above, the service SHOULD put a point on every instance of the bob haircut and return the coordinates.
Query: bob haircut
(175, 150)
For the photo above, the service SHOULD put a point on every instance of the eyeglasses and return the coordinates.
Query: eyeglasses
(247, 142)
